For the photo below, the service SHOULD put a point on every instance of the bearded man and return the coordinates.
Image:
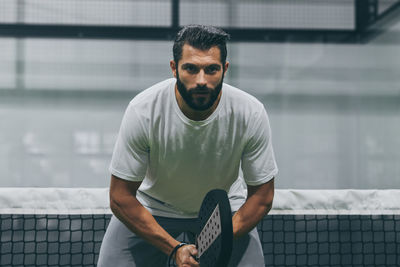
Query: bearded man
(178, 140)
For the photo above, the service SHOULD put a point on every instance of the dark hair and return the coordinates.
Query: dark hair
(201, 37)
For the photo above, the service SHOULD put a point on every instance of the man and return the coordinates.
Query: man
(178, 140)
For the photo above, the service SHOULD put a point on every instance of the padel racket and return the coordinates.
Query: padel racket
(214, 241)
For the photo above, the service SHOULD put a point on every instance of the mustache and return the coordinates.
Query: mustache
(200, 89)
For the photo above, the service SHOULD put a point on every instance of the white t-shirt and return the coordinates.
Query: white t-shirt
(179, 160)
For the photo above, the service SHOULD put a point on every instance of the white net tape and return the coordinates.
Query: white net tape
(302, 202)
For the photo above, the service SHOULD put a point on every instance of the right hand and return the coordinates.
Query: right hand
(184, 257)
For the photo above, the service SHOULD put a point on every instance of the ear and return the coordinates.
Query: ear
(173, 67)
(226, 67)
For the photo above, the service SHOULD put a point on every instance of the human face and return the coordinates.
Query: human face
(200, 75)
(200, 98)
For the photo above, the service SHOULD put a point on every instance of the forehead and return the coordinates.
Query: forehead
(193, 55)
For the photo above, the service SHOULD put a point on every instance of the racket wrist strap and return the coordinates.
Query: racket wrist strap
(171, 256)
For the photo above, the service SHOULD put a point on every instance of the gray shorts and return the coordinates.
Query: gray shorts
(121, 247)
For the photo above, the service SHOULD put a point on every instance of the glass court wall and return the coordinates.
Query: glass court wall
(334, 107)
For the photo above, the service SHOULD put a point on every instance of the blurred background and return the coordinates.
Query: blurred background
(327, 71)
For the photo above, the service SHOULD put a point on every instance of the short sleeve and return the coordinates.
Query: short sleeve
(258, 159)
(131, 152)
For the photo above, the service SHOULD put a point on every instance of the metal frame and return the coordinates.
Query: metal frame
(377, 24)
(365, 16)
(167, 33)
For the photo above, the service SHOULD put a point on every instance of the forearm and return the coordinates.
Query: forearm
(257, 205)
(140, 221)
(247, 217)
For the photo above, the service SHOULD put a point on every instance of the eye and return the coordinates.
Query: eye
(190, 68)
(212, 69)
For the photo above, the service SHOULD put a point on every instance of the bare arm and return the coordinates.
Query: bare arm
(258, 204)
(139, 220)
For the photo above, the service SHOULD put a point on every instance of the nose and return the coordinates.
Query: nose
(201, 79)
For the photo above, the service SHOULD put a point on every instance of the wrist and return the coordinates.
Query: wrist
(172, 255)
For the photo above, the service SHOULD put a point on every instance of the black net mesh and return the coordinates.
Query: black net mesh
(288, 240)
(331, 240)
(51, 240)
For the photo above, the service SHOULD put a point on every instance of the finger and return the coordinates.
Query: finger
(193, 251)
(193, 262)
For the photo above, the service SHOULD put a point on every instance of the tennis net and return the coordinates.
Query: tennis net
(65, 227)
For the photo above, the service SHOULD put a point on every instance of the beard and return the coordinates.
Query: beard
(207, 97)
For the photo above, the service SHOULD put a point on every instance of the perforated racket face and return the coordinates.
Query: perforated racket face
(214, 241)
(210, 232)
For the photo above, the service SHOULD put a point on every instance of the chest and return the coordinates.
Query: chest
(180, 141)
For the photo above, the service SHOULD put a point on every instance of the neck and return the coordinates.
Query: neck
(195, 115)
